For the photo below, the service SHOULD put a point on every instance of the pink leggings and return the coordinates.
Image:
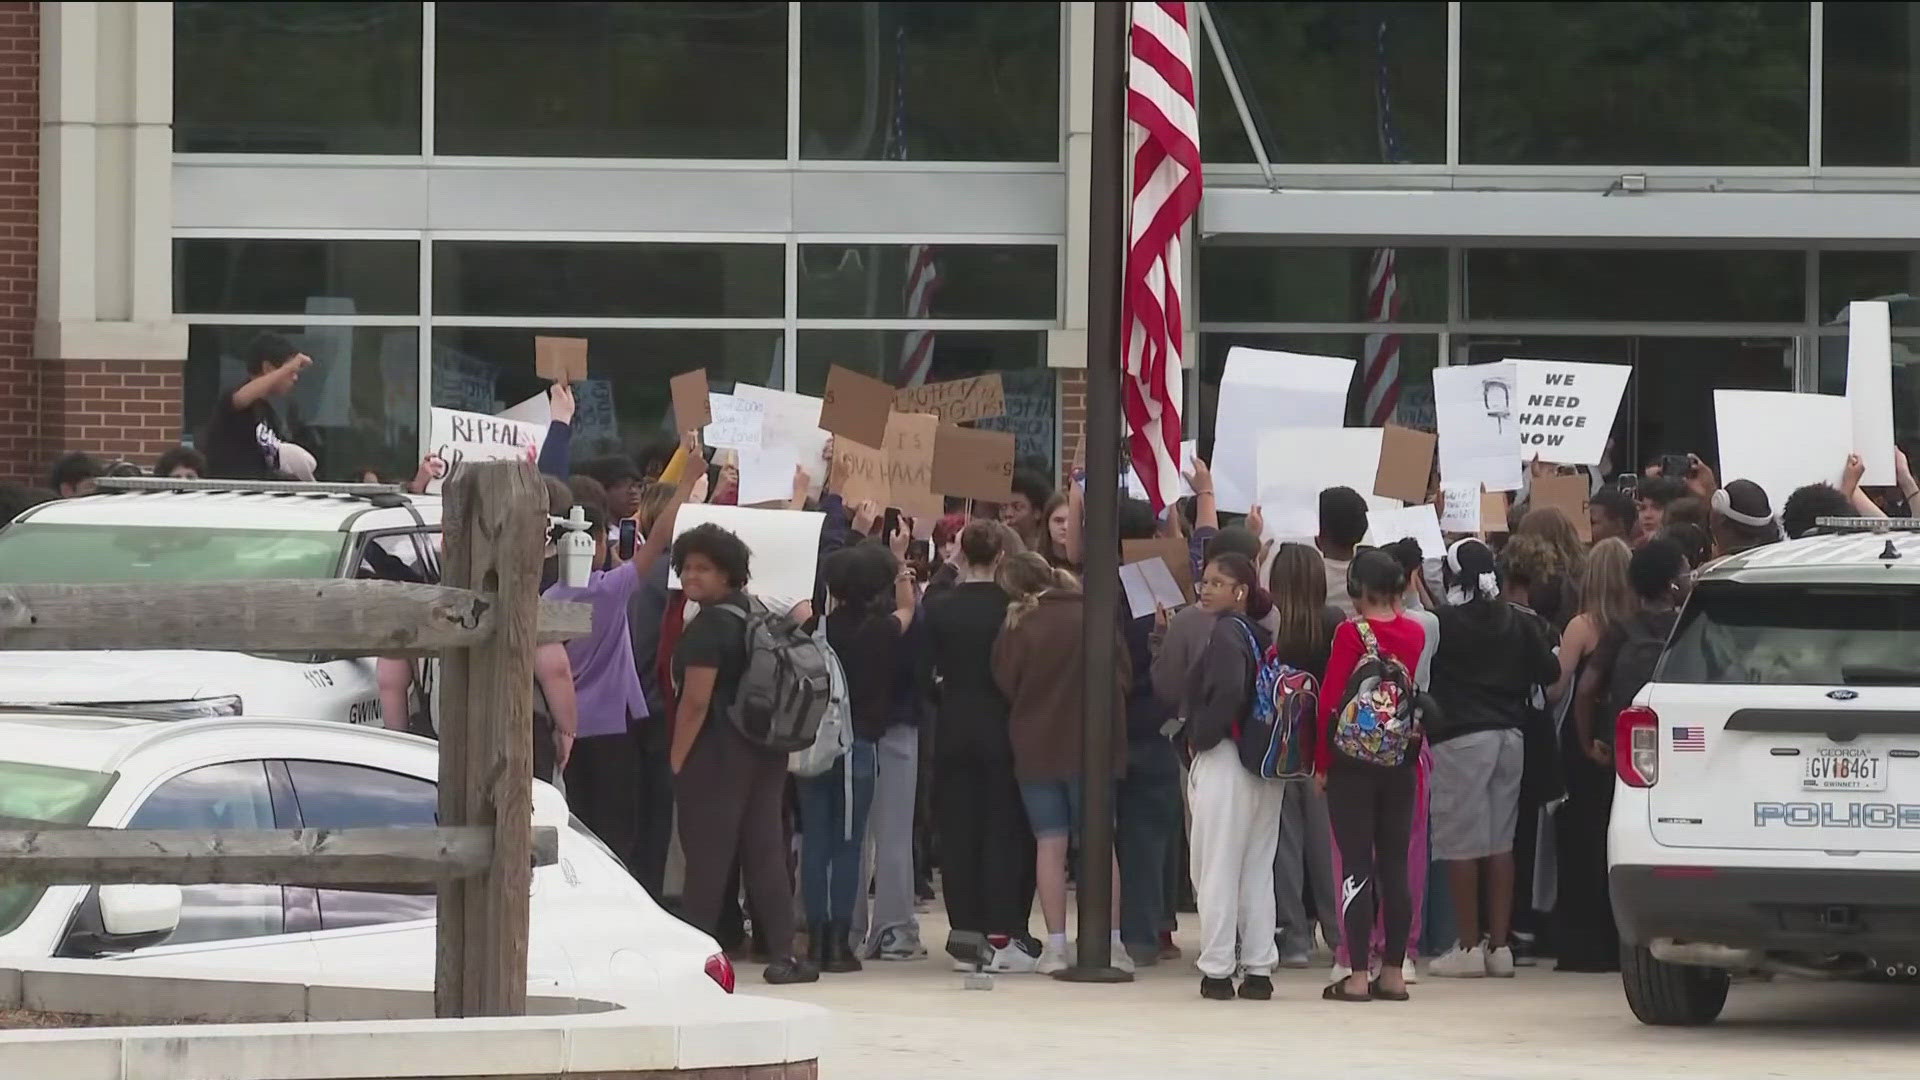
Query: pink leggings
(1416, 872)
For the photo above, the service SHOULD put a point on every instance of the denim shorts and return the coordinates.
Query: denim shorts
(1053, 806)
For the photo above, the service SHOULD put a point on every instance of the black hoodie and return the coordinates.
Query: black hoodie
(1491, 656)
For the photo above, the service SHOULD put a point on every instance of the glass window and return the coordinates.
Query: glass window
(296, 78)
(44, 793)
(1633, 84)
(1406, 382)
(930, 81)
(338, 796)
(501, 277)
(624, 406)
(296, 277)
(1796, 635)
(1663, 286)
(656, 80)
(47, 553)
(1893, 276)
(1906, 378)
(952, 354)
(1247, 283)
(232, 795)
(1328, 82)
(1868, 112)
(357, 408)
(932, 281)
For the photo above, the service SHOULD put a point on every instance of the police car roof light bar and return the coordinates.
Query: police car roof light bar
(1865, 524)
(264, 487)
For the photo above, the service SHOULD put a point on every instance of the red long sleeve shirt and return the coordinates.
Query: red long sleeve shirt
(1399, 637)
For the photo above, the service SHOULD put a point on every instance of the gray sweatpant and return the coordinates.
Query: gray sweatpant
(888, 854)
(1305, 855)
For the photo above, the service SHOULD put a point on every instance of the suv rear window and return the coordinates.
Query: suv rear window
(37, 554)
(1817, 635)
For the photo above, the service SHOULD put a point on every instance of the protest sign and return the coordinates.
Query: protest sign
(1566, 409)
(737, 424)
(1406, 464)
(691, 407)
(1569, 495)
(910, 449)
(537, 409)
(1296, 464)
(1493, 512)
(460, 437)
(1479, 438)
(766, 474)
(1031, 396)
(1782, 440)
(957, 401)
(1422, 523)
(856, 406)
(560, 359)
(1870, 388)
(973, 464)
(784, 546)
(1170, 550)
(1149, 584)
(791, 420)
(1459, 508)
(1261, 390)
(860, 473)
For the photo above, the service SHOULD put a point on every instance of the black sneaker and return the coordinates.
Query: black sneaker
(1216, 989)
(1256, 988)
(791, 970)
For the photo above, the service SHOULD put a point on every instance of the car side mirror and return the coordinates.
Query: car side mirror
(139, 911)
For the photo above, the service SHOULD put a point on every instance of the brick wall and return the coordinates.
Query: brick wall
(20, 410)
(1073, 416)
(114, 408)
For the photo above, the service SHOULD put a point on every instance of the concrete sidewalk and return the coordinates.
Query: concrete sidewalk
(896, 1021)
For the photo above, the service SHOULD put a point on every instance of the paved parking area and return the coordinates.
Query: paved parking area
(896, 1021)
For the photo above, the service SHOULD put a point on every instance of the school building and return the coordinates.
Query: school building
(416, 190)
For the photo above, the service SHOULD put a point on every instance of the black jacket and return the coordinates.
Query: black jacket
(1490, 658)
(1220, 687)
(962, 624)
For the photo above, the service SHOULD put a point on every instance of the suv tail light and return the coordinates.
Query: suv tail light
(1636, 747)
(720, 970)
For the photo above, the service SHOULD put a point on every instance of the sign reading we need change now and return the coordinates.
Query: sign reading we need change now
(1566, 409)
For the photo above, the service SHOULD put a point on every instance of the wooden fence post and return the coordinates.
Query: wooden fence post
(495, 518)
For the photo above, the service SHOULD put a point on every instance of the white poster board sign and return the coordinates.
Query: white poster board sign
(766, 474)
(1294, 465)
(1566, 409)
(1781, 440)
(1870, 388)
(1461, 508)
(1477, 407)
(1149, 583)
(1422, 523)
(1261, 391)
(784, 544)
(461, 437)
(737, 424)
(791, 420)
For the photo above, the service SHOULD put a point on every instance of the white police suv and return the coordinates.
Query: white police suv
(1767, 815)
(152, 531)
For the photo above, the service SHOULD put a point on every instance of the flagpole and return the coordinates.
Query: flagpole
(1100, 548)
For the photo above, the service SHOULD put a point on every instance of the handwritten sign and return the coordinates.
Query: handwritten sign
(737, 422)
(856, 406)
(1030, 414)
(910, 446)
(860, 473)
(1566, 409)
(459, 437)
(957, 401)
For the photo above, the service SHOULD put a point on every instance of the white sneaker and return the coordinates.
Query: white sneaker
(1121, 959)
(1340, 971)
(1016, 957)
(1459, 963)
(1499, 962)
(1409, 971)
(1054, 959)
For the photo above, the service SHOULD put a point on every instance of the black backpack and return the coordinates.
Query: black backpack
(1639, 642)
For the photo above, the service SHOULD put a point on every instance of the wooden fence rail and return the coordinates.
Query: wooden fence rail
(324, 857)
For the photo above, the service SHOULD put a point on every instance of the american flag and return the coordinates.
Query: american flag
(1380, 365)
(1163, 135)
(923, 277)
(1690, 740)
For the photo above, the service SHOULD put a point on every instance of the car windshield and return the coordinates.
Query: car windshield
(1803, 635)
(34, 553)
(41, 794)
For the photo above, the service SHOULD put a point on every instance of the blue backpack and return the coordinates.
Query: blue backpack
(1276, 738)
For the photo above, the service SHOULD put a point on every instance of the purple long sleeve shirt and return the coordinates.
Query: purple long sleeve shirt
(605, 680)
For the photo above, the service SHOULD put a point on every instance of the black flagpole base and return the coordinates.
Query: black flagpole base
(1078, 974)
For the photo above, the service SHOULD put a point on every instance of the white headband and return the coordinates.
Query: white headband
(1723, 505)
(1458, 594)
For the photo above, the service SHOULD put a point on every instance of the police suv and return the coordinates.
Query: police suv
(1767, 815)
(151, 530)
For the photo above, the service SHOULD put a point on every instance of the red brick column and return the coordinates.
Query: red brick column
(1073, 416)
(20, 409)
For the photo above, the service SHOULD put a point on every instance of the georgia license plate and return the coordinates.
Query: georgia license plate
(1836, 768)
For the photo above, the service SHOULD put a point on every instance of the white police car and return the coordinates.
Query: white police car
(161, 531)
(1767, 815)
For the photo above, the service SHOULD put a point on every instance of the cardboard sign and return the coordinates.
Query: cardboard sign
(1406, 463)
(783, 547)
(1260, 391)
(860, 474)
(1782, 441)
(1170, 550)
(957, 401)
(1870, 388)
(1479, 437)
(1460, 508)
(738, 423)
(691, 407)
(1568, 494)
(910, 447)
(856, 407)
(560, 359)
(459, 437)
(973, 464)
(1567, 409)
(1493, 512)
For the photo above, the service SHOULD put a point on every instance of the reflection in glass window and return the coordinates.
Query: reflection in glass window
(928, 281)
(1258, 283)
(656, 80)
(296, 78)
(503, 277)
(1633, 83)
(333, 795)
(296, 277)
(1868, 112)
(1412, 375)
(1314, 76)
(1893, 276)
(357, 408)
(233, 795)
(624, 406)
(951, 354)
(1669, 286)
(930, 81)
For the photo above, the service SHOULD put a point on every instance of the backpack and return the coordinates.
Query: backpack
(835, 737)
(1276, 738)
(1642, 638)
(786, 687)
(1379, 718)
